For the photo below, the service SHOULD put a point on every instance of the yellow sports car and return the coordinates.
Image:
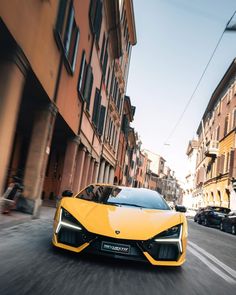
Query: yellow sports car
(122, 222)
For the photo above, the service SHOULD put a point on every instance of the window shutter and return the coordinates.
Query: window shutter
(92, 13)
(88, 85)
(98, 19)
(69, 27)
(82, 76)
(96, 107)
(126, 126)
(103, 48)
(222, 160)
(218, 165)
(104, 66)
(101, 120)
(61, 16)
(232, 165)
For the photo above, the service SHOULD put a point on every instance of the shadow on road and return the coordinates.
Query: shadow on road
(108, 262)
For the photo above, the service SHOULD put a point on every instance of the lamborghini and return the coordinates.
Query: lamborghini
(121, 222)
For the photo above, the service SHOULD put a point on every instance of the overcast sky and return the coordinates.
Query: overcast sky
(175, 39)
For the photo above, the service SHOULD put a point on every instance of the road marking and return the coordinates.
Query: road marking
(226, 268)
(211, 266)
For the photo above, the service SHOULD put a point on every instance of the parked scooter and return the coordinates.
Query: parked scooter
(13, 192)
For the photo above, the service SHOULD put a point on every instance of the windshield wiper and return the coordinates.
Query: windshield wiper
(124, 204)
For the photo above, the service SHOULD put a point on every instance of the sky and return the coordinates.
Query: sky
(175, 40)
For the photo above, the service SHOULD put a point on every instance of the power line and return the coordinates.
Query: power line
(199, 81)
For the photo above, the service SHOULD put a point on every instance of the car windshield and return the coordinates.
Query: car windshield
(123, 196)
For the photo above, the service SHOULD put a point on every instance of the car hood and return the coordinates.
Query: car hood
(131, 222)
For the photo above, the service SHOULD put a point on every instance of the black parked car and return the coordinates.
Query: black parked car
(228, 223)
(196, 217)
(212, 216)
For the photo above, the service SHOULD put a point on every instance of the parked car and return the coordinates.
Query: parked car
(228, 223)
(212, 216)
(196, 217)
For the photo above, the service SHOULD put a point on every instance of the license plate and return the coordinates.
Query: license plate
(116, 248)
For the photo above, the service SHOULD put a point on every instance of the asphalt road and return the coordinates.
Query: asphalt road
(29, 265)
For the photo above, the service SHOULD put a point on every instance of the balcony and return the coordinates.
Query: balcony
(212, 148)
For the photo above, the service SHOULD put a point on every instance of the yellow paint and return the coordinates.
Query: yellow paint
(221, 184)
(226, 144)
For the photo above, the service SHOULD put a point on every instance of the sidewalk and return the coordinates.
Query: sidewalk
(16, 217)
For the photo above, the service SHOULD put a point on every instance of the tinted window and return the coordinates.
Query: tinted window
(122, 196)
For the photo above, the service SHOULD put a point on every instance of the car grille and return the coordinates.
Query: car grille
(73, 238)
(162, 251)
(134, 253)
(159, 251)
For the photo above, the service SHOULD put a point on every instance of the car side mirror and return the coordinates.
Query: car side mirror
(67, 193)
(180, 208)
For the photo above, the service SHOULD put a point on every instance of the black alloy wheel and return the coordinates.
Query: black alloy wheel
(206, 222)
(221, 226)
(233, 230)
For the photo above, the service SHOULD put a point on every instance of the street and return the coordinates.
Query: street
(29, 265)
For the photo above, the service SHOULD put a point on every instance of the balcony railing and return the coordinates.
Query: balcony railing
(212, 148)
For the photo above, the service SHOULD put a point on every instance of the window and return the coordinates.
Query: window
(82, 75)
(227, 155)
(96, 107)
(218, 133)
(104, 65)
(101, 120)
(95, 15)
(103, 48)
(226, 125)
(218, 108)
(112, 88)
(108, 78)
(234, 119)
(104, 56)
(67, 33)
(88, 86)
(228, 95)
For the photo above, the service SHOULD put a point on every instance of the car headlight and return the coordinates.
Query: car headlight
(67, 220)
(171, 235)
(173, 232)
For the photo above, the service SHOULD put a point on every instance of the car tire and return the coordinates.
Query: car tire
(205, 222)
(199, 221)
(233, 230)
(221, 226)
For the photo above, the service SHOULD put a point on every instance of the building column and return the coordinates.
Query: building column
(111, 175)
(95, 172)
(101, 171)
(79, 170)
(91, 169)
(36, 164)
(12, 81)
(106, 175)
(69, 164)
(85, 170)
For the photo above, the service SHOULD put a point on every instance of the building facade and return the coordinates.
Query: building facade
(215, 169)
(188, 198)
(63, 78)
